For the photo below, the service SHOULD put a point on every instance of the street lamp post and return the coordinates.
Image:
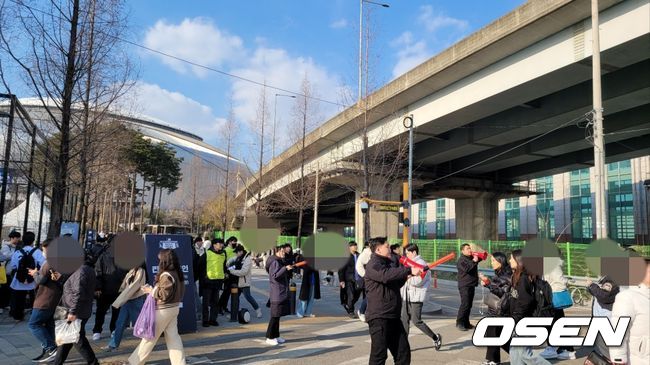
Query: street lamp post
(366, 187)
(275, 112)
(360, 93)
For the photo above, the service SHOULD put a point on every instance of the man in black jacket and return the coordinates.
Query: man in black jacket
(467, 281)
(78, 299)
(348, 278)
(109, 279)
(383, 280)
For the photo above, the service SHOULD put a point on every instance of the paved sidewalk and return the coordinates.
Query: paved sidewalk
(330, 338)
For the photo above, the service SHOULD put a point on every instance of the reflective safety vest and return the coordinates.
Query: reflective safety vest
(215, 265)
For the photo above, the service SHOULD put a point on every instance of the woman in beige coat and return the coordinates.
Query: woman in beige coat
(130, 301)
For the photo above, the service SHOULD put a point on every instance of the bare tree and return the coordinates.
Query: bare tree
(68, 57)
(299, 196)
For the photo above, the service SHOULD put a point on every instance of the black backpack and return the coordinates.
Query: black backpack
(543, 294)
(25, 263)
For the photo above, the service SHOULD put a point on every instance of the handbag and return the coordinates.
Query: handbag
(60, 313)
(595, 358)
(498, 305)
(145, 325)
(562, 299)
(3, 274)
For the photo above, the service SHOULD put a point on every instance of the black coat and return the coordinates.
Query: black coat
(467, 271)
(501, 281)
(279, 284)
(346, 273)
(604, 297)
(522, 298)
(383, 281)
(109, 276)
(78, 292)
(307, 272)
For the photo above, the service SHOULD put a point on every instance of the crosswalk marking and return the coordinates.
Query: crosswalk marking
(297, 352)
(344, 328)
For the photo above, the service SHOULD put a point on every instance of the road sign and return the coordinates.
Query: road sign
(385, 208)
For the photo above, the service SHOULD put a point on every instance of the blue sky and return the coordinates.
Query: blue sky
(279, 42)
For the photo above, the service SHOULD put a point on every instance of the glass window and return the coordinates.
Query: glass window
(512, 219)
(620, 202)
(580, 202)
(422, 220)
(545, 208)
(440, 218)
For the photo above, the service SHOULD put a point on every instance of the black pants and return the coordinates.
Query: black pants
(557, 314)
(5, 294)
(388, 334)
(493, 353)
(104, 302)
(273, 330)
(19, 302)
(352, 295)
(412, 312)
(466, 299)
(82, 346)
(225, 295)
(210, 302)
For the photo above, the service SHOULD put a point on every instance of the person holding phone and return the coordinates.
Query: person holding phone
(279, 282)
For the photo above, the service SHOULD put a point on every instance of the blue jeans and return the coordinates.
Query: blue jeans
(247, 293)
(364, 305)
(523, 355)
(304, 309)
(128, 313)
(41, 324)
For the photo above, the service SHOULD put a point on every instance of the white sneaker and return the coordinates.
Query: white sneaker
(312, 316)
(549, 352)
(281, 340)
(272, 341)
(259, 312)
(298, 315)
(566, 355)
(97, 336)
(362, 317)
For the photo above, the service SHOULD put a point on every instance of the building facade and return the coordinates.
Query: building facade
(562, 209)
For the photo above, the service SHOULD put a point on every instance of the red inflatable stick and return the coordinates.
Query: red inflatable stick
(410, 263)
(442, 260)
(300, 264)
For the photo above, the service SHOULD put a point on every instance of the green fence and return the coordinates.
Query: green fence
(431, 250)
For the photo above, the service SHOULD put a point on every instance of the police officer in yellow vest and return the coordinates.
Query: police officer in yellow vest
(214, 262)
(231, 243)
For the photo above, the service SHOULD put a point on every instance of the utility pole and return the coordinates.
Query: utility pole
(599, 140)
(316, 200)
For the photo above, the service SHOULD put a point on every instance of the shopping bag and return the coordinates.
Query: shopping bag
(145, 325)
(67, 332)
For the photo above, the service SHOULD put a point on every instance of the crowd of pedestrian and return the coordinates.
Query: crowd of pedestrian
(392, 297)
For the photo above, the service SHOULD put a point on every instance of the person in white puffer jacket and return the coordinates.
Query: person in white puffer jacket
(242, 266)
(634, 303)
(360, 266)
(414, 293)
(558, 282)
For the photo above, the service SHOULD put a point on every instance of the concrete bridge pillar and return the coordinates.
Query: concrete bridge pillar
(476, 218)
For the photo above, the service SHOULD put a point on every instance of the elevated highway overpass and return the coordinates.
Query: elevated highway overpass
(509, 103)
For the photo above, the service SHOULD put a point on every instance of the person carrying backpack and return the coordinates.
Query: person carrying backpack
(23, 284)
(6, 252)
(523, 292)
